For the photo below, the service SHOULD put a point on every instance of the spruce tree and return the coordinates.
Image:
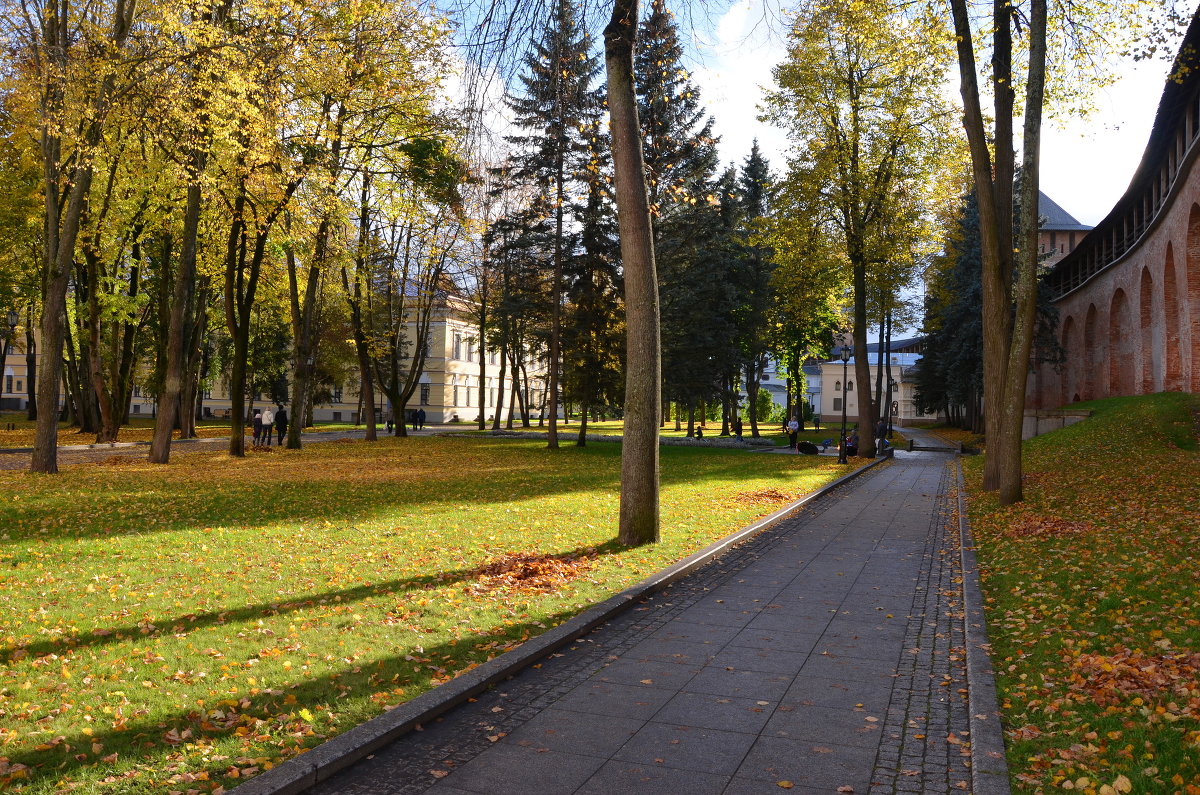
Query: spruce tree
(558, 103)
(754, 287)
(592, 332)
(681, 161)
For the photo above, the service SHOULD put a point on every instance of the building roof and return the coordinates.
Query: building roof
(1055, 218)
(898, 360)
(905, 345)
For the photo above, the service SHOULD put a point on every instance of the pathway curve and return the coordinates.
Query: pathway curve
(824, 655)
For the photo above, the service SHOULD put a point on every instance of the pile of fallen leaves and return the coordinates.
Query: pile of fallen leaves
(768, 497)
(1092, 602)
(1047, 526)
(1115, 678)
(528, 571)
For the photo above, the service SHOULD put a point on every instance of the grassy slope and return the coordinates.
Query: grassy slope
(1093, 590)
(170, 628)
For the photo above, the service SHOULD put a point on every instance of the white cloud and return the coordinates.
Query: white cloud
(737, 68)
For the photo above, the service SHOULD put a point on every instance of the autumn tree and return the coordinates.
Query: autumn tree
(1033, 51)
(861, 97)
(74, 56)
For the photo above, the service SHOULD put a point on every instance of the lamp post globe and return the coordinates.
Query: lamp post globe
(845, 356)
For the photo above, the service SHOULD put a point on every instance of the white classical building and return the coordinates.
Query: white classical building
(841, 386)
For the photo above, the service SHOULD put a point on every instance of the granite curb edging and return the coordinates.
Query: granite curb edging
(302, 772)
(989, 765)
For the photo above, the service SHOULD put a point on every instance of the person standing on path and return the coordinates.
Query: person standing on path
(268, 419)
(281, 424)
(258, 427)
(881, 433)
(793, 429)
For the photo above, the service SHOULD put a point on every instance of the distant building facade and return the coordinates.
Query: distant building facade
(448, 389)
(841, 388)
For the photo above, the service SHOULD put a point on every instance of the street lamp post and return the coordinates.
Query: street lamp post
(845, 354)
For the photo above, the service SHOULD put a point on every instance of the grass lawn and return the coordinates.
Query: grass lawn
(183, 627)
(712, 430)
(140, 429)
(1093, 601)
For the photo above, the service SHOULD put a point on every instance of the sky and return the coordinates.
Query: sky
(1086, 164)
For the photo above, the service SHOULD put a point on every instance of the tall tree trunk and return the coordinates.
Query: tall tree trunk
(867, 407)
(639, 522)
(177, 333)
(1013, 409)
(304, 329)
(500, 386)
(752, 388)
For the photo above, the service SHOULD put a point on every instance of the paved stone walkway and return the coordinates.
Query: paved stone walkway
(824, 654)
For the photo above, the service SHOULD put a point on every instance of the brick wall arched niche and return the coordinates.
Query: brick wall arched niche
(1150, 354)
(1120, 345)
(1093, 349)
(1069, 375)
(1172, 361)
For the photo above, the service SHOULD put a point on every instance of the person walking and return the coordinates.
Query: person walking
(281, 424)
(268, 419)
(257, 423)
(420, 419)
(881, 433)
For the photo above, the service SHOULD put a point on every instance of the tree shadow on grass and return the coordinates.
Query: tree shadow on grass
(274, 712)
(151, 629)
(135, 507)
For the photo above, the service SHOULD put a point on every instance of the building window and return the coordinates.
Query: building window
(428, 345)
(137, 391)
(837, 404)
(8, 383)
(457, 348)
(337, 416)
(337, 395)
(18, 386)
(424, 394)
(492, 357)
(837, 386)
(137, 408)
(849, 386)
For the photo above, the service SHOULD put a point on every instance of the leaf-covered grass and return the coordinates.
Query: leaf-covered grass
(956, 435)
(1093, 601)
(182, 627)
(569, 431)
(139, 429)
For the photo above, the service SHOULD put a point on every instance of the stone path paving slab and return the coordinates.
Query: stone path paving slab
(826, 652)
